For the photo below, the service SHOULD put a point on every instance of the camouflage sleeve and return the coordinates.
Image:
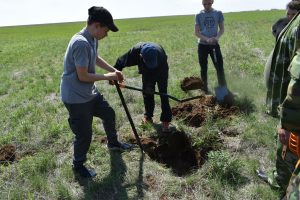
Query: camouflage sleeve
(289, 110)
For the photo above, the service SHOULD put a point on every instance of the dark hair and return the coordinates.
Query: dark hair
(294, 5)
(103, 16)
(92, 13)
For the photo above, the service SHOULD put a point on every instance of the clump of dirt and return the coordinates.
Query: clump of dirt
(228, 100)
(175, 150)
(100, 139)
(150, 182)
(195, 112)
(191, 83)
(230, 132)
(8, 154)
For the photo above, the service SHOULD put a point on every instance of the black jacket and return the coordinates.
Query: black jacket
(132, 57)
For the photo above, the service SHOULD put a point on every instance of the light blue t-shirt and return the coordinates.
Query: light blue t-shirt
(81, 52)
(208, 22)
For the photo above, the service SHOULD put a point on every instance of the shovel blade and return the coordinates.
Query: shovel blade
(221, 92)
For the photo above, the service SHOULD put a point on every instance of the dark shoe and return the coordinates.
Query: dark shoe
(119, 147)
(166, 127)
(262, 175)
(84, 172)
(269, 179)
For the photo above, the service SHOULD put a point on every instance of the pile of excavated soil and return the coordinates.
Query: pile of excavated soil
(195, 112)
(8, 154)
(191, 83)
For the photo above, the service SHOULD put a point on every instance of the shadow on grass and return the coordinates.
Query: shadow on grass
(236, 182)
(112, 187)
(140, 183)
(245, 104)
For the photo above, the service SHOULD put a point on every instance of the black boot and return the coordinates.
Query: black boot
(82, 171)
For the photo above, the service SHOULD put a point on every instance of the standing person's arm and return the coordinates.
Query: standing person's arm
(85, 76)
(80, 54)
(104, 65)
(197, 29)
(221, 30)
(215, 40)
(198, 33)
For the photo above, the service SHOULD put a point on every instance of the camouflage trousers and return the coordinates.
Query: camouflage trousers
(293, 191)
(281, 176)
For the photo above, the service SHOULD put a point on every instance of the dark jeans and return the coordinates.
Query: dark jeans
(149, 81)
(80, 121)
(215, 54)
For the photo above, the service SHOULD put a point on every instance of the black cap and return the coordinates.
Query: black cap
(103, 16)
(149, 54)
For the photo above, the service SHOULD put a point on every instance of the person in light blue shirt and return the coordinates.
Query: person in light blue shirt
(209, 27)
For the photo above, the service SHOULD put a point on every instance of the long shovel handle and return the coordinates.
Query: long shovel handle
(128, 115)
(157, 93)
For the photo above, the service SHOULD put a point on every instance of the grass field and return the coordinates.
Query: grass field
(34, 119)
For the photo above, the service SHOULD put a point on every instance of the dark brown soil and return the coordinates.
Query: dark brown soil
(150, 182)
(195, 112)
(191, 83)
(175, 150)
(100, 139)
(8, 154)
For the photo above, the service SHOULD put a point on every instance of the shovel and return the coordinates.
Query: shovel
(162, 94)
(220, 91)
(128, 115)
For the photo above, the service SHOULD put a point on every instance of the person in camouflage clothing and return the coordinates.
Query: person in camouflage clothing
(292, 9)
(281, 101)
(279, 78)
(289, 112)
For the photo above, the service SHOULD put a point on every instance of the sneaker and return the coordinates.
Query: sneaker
(147, 120)
(166, 127)
(82, 171)
(271, 180)
(262, 175)
(119, 147)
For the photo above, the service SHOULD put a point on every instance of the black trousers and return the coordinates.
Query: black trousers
(149, 81)
(215, 54)
(80, 121)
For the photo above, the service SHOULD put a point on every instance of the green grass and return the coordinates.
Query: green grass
(35, 120)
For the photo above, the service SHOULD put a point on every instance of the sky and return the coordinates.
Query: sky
(24, 12)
